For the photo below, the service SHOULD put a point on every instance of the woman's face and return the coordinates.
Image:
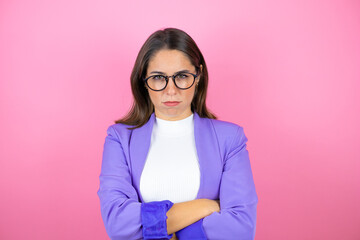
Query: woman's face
(171, 103)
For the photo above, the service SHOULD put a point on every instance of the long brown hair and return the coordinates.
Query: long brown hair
(173, 39)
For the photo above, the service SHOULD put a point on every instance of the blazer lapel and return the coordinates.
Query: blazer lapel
(209, 156)
(139, 148)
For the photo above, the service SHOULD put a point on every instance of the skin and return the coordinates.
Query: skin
(168, 62)
(183, 214)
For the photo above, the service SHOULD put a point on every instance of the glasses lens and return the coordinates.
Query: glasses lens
(184, 80)
(157, 82)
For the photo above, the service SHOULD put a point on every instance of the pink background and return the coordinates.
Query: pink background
(287, 71)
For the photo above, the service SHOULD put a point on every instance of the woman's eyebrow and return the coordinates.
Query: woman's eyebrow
(157, 72)
(181, 71)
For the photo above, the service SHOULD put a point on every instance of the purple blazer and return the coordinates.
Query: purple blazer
(225, 175)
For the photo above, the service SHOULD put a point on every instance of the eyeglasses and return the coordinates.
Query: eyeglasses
(159, 82)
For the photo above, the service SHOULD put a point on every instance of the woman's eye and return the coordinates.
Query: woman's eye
(158, 77)
(182, 76)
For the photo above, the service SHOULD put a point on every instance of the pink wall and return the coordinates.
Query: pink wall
(287, 71)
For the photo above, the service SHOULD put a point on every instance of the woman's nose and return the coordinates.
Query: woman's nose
(171, 89)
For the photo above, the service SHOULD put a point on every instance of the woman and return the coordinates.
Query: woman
(170, 169)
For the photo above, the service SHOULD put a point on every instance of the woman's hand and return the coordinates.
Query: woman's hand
(213, 205)
(183, 214)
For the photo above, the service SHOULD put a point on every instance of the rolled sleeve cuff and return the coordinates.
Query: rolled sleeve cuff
(153, 219)
(193, 231)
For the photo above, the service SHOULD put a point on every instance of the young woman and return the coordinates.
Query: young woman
(169, 168)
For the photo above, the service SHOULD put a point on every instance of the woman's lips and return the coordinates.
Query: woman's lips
(171, 103)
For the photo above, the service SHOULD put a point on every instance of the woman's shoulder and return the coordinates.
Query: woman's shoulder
(230, 135)
(226, 126)
(120, 127)
(228, 132)
(119, 130)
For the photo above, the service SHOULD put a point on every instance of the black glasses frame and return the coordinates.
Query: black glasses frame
(167, 80)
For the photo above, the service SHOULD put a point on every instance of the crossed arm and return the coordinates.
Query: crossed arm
(121, 210)
(183, 214)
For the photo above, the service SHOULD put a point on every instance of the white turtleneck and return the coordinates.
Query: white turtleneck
(171, 170)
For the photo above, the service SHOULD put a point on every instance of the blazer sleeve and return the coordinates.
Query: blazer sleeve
(238, 198)
(123, 215)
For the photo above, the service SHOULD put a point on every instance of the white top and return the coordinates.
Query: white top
(171, 170)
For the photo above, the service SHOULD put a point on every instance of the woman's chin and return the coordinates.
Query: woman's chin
(171, 115)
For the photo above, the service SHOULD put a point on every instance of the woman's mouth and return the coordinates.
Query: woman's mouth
(171, 103)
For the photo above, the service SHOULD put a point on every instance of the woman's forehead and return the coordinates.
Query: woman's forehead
(169, 61)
